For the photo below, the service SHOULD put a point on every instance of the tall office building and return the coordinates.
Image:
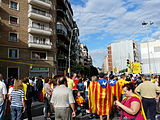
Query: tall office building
(119, 52)
(150, 57)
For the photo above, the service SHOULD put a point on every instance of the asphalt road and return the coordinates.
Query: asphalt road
(37, 113)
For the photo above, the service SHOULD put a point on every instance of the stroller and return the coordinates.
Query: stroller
(80, 103)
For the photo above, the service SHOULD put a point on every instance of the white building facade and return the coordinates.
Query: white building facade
(150, 56)
(105, 65)
(123, 50)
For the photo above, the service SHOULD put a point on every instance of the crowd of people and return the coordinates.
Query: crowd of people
(135, 96)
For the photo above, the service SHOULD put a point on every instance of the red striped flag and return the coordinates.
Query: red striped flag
(116, 90)
(100, 99)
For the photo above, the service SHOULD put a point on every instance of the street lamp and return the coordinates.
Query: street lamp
(69, 54)
(149, 62)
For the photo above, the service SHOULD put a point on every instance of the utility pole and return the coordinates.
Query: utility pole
(149, 61)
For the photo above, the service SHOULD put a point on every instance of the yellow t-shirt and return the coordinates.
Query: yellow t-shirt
(25, 90)
(122, 82)
(153, 80)
(70, 83)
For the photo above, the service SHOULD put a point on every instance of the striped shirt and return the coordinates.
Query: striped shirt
(16, 98)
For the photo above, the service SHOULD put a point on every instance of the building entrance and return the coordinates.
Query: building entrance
(13, 73)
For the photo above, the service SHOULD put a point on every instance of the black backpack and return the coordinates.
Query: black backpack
(30, 91)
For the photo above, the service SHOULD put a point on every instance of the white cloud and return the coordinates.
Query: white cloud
(97, 56)
(115, 17)
(156, 35)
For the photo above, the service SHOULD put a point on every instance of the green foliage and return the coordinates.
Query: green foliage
(123, 71)
(93, 71)
(83, 70)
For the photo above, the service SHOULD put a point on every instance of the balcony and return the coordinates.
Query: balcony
(39, 44)
(62, 45)
(61, 29)
(37, 15)
(34, 30)
(62, 57)
(41, 3)
(61, 12)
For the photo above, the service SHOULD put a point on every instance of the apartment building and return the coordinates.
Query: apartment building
(120, 51)
(85, 59)
(65, 29)
(105, 65)
(75, 48)
(150, 57)
(110, 67)
(27, 38)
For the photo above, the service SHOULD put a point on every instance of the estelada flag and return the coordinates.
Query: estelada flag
(100, 99)
(116, 89)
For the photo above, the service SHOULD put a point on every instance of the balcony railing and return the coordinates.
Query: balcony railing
(60, 56)
(39, 44)
(47, 1)
(35, 30)
(62, 45)
(61, 29)
(61, 11)
(41, 3)
(42, 17)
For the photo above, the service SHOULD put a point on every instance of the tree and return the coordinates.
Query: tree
(93, 71)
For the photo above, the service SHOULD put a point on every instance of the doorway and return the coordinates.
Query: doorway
(13, 72)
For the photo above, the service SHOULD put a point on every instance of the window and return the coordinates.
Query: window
(40, 26)
(39, 55)
(40, 11)
(41, 40)
(13, 53)
(14, 5)
(13, 20)
(13, 37)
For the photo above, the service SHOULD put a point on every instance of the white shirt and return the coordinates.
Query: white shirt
(62, 97)
(3, 91)
(86, 86)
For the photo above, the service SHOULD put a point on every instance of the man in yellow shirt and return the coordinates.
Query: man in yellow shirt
(28, 102)
(70, 82)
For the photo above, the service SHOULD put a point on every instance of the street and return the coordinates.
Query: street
(37, 113)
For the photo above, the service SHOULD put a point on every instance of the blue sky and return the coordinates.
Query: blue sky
(102, 22)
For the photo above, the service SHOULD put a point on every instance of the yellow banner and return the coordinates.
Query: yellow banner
(136, 67)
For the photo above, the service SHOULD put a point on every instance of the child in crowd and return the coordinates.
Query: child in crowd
(80, 103)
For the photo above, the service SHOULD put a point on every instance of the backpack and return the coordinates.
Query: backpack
(39, 85)
(30, 91)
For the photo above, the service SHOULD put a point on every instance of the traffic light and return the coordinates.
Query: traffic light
(128, 62)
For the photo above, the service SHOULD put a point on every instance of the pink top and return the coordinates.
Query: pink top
(127, 102)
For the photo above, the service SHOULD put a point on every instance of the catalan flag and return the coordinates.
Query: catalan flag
(116, 88)
(100, 99)
(80, 100)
